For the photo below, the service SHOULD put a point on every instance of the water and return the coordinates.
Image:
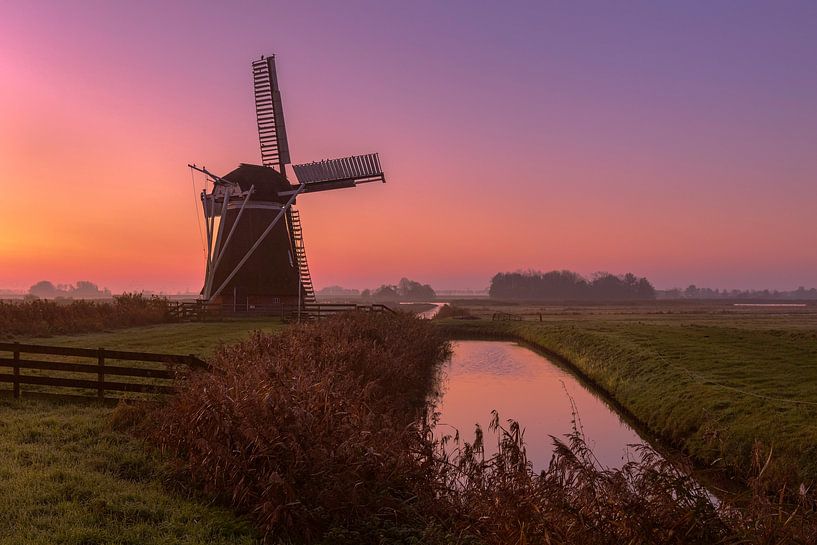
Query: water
(527, 387)
(426, 314)
(430, 313)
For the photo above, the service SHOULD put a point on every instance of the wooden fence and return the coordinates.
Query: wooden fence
(200, 311)
(100, 369)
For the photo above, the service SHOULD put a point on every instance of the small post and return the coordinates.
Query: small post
(101, 387)
(540, 316)
(16, 371)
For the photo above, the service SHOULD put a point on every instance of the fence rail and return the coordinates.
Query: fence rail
(201, 311)
(101, 369)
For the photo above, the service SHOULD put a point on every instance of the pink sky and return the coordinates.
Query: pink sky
(676, 143)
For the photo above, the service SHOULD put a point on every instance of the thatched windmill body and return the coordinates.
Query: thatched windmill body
(255, 250)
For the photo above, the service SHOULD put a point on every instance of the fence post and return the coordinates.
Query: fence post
(16, 371)
(101, 387)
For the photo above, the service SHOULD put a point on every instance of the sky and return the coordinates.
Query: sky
(677, 141)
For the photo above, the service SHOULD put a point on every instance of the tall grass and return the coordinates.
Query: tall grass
(313, 428)
(39, 318)
(322, 434)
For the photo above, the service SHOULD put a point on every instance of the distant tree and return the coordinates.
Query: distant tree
(366, 294)
(88, 290)
(645, 289)
(44, 289)
(335, 291)
(691, 292)
(414, 291)
(386, 293)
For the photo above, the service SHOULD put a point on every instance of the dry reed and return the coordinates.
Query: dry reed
(322, 434)
(39, 318)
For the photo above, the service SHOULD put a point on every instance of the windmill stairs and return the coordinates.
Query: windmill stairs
(300, 255)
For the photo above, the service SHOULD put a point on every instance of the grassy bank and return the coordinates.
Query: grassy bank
(67, 477)
(317, 436)
(197, 338)
(711, 380)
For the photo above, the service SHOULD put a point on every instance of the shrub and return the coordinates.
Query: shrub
(37, 317)
(322, 434)
(311, 429)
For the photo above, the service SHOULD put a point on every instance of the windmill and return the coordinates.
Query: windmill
(255, 249)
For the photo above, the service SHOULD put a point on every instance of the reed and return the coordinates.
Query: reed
(310, 429)
(322, 434)
(40, 318)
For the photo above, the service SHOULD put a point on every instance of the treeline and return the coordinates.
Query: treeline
(570, 286)
(694, 292)
(82, 290)
(405, 290)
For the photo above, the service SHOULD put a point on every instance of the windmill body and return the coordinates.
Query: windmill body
(255, 253)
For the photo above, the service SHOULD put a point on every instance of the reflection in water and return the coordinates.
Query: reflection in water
(430, 313)
(520, 384)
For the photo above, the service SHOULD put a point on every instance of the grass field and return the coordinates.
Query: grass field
(180, 338)
(67, 477)
(711, 378)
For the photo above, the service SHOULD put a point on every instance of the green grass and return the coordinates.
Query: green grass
(67, 477)
(685, 371)
(181, 338)
(710, 379)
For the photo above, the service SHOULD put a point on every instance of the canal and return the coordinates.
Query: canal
(525, 386)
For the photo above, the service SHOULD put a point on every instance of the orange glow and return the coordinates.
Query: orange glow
(494, 162)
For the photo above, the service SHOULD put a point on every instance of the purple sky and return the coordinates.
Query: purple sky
(674, 141)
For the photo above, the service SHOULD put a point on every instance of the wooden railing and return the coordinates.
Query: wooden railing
(323, 310)
(199, 311)
(101, 368)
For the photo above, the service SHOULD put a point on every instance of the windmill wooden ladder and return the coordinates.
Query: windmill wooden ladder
(300, 256)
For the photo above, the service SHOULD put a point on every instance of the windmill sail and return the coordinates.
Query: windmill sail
(338, 173)
(255, 254)
(270, 114)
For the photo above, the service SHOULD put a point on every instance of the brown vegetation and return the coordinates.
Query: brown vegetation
(452, 311)
(38, 318)
(321, 435)
(313, 428)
